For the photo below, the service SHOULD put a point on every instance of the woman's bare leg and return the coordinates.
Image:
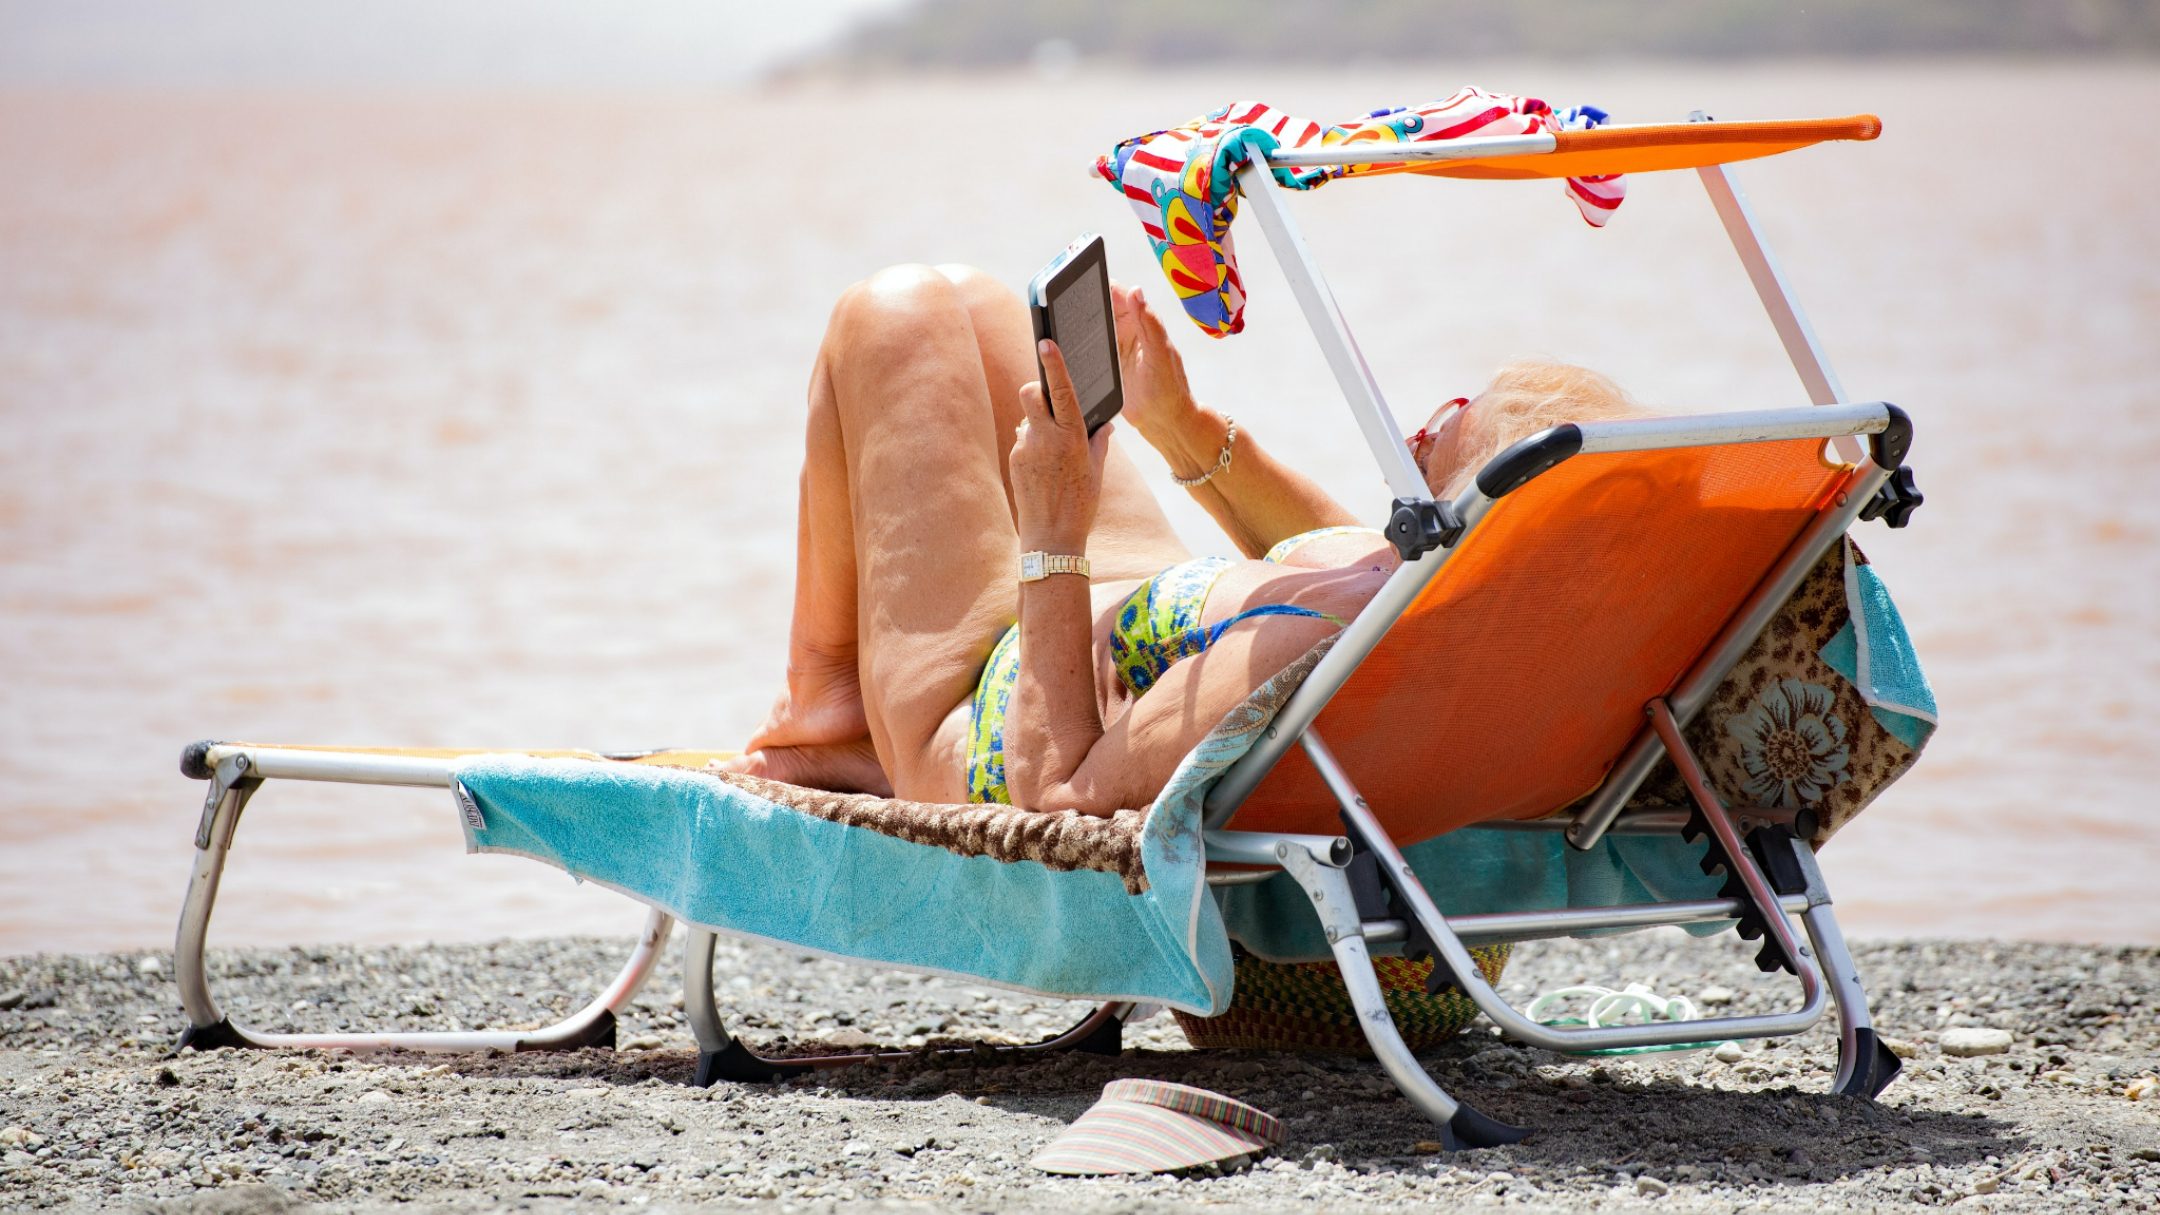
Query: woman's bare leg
(1132, 537)
(905, 545)
(921, 373)
(818, 733)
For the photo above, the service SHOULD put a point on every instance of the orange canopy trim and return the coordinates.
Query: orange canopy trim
(1645, 149)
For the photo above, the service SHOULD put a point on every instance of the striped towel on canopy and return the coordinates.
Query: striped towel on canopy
(1182, 182)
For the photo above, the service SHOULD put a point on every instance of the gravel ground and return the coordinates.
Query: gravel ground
(93, 1114)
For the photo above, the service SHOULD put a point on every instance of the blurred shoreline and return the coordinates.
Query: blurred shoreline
(1180, 35)
(1441, 75)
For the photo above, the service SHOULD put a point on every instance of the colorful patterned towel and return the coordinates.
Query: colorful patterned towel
(1183, 182)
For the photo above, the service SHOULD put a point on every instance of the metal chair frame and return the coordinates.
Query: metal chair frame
(1777, 873)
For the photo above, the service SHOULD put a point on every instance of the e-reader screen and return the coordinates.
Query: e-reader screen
(1071, 303)
(1082, 324)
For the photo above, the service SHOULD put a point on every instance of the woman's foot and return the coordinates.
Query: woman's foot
(822, 707)
(850, 767)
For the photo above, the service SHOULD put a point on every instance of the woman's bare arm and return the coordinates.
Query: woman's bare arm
(1054, 719)
(1058, 752)
(1258, 501)
(1132, 758)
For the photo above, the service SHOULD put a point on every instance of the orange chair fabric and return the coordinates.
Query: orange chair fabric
(1515, 680)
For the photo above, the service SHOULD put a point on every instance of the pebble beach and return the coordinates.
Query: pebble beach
(2029, 1083)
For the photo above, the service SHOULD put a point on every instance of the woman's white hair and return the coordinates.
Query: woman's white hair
(1522, 399)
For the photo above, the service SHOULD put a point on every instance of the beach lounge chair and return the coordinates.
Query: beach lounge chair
(1470, 761)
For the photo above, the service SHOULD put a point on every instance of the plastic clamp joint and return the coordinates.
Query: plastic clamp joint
(1417, 526)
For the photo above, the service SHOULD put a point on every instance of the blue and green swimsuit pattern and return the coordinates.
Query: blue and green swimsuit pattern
(1155, 628)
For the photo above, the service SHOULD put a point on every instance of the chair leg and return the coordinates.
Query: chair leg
(210, 1029)
(1420, 912)
(1328, 886)
(722, 1056)
(1866, 1066)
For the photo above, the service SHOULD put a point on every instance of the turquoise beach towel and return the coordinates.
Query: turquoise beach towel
(724, 858)
(1876, 656)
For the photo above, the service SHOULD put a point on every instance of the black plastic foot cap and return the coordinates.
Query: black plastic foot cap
(195, 760)
(600, 1033)
(739, 1063)
(1876, 1067)
(1470, 1129)
(1105, 1039)
(220, 1036)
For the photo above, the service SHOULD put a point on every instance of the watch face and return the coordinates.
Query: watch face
(1031, 566)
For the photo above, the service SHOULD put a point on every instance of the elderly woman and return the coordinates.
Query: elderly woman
(922, 664)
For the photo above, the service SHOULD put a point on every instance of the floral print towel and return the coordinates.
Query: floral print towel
(1806, 719)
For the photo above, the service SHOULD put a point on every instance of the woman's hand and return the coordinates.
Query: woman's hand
(1158, 401)
(1056, 468)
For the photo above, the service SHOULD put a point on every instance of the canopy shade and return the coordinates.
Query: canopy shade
(1185, 183)
(1597, 152)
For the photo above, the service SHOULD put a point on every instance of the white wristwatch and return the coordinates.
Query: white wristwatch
(1038, 565)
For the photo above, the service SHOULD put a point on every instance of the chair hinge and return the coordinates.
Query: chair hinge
(1375, 892)
(1896, 501)
(1417, 526)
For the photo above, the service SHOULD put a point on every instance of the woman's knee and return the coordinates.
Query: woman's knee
(996, 310)
(899, 299)
(977, 288)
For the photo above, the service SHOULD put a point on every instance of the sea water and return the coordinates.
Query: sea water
(474, 420)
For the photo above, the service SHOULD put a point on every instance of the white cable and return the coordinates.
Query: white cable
(1609, 1007)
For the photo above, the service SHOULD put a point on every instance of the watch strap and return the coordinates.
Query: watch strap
(1036, 566)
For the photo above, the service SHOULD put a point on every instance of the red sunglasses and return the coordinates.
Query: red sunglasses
(1427, 431)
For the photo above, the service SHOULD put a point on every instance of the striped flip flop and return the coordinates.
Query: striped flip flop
(1153, 1126)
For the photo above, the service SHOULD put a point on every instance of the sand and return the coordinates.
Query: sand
(93, 1113)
